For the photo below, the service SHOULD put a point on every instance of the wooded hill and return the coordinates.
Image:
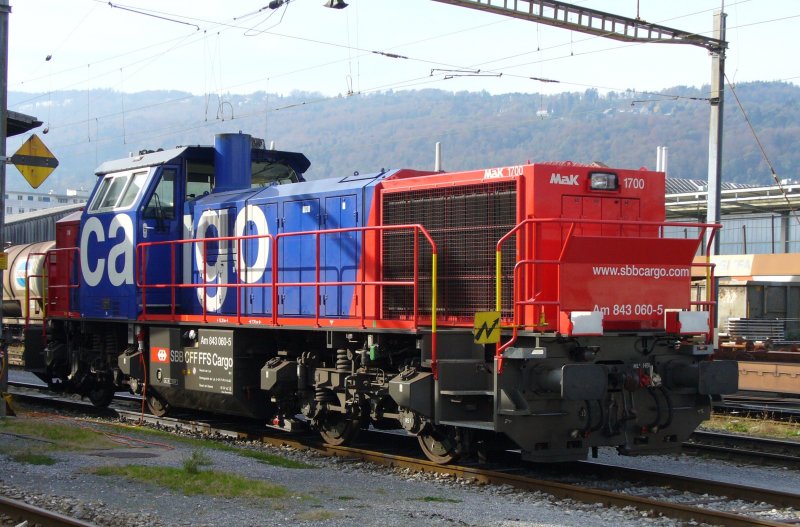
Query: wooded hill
(398, 129)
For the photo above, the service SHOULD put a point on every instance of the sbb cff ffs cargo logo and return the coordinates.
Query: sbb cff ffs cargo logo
(159, 354)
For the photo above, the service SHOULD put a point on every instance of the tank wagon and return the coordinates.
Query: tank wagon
(22, 284)
(539, 307)
(23, 294)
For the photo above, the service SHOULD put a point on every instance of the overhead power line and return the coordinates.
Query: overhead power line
(404, 83)
(763, 150)
(145, 13)
(504, 71)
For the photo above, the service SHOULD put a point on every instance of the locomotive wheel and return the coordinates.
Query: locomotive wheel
(440, 445)
(101, 395)
(156, 405)
(338, 429)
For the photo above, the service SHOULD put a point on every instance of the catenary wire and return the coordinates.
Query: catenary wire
(762, 149)
(613, 48)
(420, 81)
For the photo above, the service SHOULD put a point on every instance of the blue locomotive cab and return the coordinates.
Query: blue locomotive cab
(144, 200)
(131, 204)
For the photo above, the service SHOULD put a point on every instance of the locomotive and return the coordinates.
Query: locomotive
(541, 307)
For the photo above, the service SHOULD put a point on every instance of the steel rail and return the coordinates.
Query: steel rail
(701, 440)
(779, 409)
(742, 439)
(559, 490)
(696, 485)
(743, 453)
(35, 515)
(745, 446)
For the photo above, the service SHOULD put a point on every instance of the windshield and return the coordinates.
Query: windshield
(266, 174)
(118, 191)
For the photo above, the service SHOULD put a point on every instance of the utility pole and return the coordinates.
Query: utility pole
(717, 97)
(5, 10)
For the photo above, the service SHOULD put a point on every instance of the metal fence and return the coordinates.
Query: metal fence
(770, 234)
(762, 234)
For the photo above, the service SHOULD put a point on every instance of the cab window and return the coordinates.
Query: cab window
(135, 186)
(101, 192)
(268, 173)
(118, 191)
(199, 180)
(162, 203)
(113, 193)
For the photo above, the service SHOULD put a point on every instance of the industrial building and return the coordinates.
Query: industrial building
(21, 202)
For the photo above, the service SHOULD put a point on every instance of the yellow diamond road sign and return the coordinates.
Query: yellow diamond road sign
(487, 327)
(34, 161)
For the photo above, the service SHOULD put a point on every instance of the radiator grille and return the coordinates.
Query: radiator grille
(465, 222)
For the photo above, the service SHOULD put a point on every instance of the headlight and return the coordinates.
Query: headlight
(603, 181)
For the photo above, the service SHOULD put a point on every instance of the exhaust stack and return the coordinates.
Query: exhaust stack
(232, 162)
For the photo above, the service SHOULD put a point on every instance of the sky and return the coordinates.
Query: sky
(238, 47)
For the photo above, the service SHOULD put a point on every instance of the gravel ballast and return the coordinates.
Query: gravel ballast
(334, 492)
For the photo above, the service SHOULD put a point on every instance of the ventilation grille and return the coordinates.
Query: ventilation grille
(465, 222)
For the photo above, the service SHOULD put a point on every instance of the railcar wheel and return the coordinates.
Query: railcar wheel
(338, 429)
(157, 406)
(101, 395)
(440, 445)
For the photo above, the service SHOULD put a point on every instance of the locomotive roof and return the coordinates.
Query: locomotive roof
(303, 188)
(204, 154)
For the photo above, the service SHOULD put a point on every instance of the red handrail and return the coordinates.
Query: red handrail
(517, 322)
(27, 279)
(141, 274)
(47, 262)
(275, 284)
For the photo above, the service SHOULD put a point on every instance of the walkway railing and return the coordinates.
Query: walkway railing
(530, 232)
(365, 278)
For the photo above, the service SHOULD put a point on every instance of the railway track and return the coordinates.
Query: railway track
(678, 497)
(776, 408)
(747, 448)
(21, 511)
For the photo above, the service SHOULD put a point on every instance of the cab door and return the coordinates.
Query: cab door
(299, 258)
(159, 263)
(340, 255)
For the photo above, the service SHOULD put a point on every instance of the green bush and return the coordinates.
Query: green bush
(193, 463)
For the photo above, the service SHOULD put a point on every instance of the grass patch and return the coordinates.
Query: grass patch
(266, 457)
(737, 426)
(758, 427)
(198, 459)
(258, 455)
(346, 498)
(435, 499)
(192, 480)
(38, 439)
(64, 435)
(69, 435)
(203, 482)
(33, 458)
(317, 516)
